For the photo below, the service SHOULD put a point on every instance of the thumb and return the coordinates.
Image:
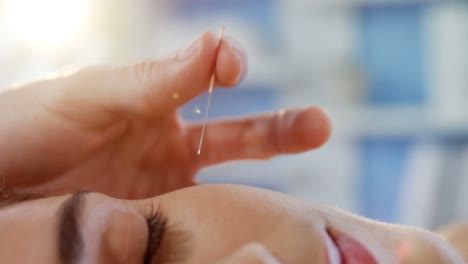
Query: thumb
(156, 86)
(251, 254)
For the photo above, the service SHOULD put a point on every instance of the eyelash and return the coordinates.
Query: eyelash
(157, 225)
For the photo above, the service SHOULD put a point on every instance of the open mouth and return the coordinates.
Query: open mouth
(350, 250)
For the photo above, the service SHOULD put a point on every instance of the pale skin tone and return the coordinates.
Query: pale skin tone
(115, 131)
(457, 235)
(120, 125)
(211, 224)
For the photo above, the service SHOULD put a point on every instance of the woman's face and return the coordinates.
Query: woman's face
(202, 224)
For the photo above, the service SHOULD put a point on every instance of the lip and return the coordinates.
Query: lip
(350, 250)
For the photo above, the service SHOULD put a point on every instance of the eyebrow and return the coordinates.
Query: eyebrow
(70, 240)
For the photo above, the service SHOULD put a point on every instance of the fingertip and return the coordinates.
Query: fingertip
(172, 81)
(227, 58)
(208, 43)
(419, 250)
(209, 39)
(312, 127)
(231, 64)
(183, 77)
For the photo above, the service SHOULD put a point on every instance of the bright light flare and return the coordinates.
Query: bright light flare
(49, 23)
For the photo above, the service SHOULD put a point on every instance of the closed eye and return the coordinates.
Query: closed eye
(157, 225)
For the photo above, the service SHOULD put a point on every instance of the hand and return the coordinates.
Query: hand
(116, 130)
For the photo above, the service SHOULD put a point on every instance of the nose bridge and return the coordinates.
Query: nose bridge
(299, 241)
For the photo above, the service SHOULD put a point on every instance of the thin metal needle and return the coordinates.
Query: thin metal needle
(210, 91)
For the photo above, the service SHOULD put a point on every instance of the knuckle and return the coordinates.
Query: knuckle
(143, 72)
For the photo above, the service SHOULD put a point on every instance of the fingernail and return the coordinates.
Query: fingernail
(191, 50)
(239, 50)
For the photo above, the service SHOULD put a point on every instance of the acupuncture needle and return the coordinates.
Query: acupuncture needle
(210, 92)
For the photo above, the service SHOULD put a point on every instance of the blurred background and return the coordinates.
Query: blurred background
(393, 76)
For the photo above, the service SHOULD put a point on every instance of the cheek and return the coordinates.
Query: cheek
(209, 235)
(299, 242)
(420, 248)
(215, 238)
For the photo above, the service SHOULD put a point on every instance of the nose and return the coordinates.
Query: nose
(426, 250)
(300, 242)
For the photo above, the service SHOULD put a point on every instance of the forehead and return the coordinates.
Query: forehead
(28, 231)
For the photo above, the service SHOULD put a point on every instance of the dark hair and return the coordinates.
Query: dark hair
(9, 197)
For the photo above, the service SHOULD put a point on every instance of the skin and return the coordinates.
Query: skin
(115, 130)
(242, 225)
(457, 234)
(120, 125)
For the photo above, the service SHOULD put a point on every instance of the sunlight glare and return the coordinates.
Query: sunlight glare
(49, 23)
